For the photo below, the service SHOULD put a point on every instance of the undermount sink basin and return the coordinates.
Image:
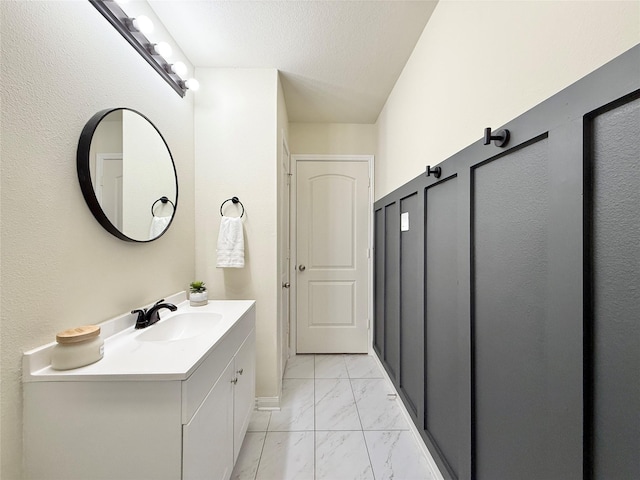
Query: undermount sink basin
(180, 327)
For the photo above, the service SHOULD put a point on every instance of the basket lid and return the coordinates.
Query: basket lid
(78, 334)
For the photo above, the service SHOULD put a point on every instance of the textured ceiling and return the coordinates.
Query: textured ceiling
(338, 59)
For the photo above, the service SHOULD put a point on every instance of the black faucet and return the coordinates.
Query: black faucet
(149, 316)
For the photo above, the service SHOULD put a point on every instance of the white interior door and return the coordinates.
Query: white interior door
(332, 241)
(285, 254)
(109, 178)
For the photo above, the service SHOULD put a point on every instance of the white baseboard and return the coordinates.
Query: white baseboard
(432, 463)
(267, 403)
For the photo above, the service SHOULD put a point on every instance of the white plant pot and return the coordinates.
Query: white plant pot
(197, 299)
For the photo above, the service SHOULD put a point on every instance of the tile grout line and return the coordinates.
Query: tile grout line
(264, 442)
(373, 473)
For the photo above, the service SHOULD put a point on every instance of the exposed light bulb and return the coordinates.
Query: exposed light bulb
(179, 68)
(143, 24)
(192, 84)
(163, 48)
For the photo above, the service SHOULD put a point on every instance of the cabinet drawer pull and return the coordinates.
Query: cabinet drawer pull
(240, 371)
(234, 381)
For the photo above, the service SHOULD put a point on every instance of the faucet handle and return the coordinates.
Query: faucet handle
(158, 302)
(140, 321)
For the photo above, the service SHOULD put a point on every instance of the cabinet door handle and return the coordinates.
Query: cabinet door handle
(234, 381)
(241, 371)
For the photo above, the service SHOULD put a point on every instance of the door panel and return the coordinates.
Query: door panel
(284, 233)
(616, 292)
(333, 238)
(441, 330)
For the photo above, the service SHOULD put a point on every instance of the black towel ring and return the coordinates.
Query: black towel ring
(234, 200)
(164, 200)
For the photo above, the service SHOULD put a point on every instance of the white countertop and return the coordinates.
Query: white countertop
(126, 358)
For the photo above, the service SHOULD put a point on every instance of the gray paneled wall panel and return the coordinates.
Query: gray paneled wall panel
(616, 287)
(411, 285)
(528, 312)
(513, 430)
(441, 335)
(378, 280)
(392, 290)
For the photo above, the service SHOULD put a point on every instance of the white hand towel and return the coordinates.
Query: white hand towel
(158, 224)
(230, 243)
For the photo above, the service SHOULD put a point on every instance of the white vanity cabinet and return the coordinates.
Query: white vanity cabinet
(206, 449)
(244, 391)
(87, 424)
(223, 415)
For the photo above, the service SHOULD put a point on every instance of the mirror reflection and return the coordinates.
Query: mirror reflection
(127, 175)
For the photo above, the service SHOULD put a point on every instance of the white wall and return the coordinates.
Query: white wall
(236, 155)
(61, 63)
(332, 138)
(482, 63)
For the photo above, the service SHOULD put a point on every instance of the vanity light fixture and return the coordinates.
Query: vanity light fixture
(143, 24)
(161, 48)
(192, 84)
(133, 30)
(178, 68)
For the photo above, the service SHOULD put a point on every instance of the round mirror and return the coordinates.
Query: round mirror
(127, 175)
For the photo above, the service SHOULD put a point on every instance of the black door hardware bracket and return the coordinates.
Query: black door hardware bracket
(501, 137)
(436, 171)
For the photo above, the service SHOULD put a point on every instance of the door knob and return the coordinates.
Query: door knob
(286, 285)
(302, 268)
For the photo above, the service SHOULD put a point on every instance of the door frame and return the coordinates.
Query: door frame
(370, 159)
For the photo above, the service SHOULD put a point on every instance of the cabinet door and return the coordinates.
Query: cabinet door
(206, 440)
(244, 391)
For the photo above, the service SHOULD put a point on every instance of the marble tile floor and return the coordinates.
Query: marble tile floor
(336, 423)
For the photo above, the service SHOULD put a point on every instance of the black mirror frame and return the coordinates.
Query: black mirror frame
(84, 175)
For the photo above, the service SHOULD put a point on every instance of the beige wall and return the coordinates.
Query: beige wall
(61, 63)
(332, 138)
(480, 64)
(236, 155)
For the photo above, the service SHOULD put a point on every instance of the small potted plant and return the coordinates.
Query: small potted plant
(198, 294)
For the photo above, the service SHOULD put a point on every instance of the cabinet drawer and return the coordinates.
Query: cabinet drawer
(197, 386)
